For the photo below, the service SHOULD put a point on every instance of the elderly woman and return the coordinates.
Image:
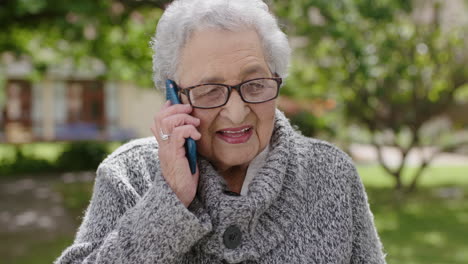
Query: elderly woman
(261, 193)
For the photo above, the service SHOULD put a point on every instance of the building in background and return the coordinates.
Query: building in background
(76, 105)
(81, 107)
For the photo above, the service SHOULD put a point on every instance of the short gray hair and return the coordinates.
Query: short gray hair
(183, 17)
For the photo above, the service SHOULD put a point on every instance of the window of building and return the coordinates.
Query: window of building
(17, 111)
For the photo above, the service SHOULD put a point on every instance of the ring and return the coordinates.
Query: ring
(164, 137)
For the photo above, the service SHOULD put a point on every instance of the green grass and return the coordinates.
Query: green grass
(45, 158)
(47, 151)
(422, 227)
(36, 251)
(375, 176)
(76, 196)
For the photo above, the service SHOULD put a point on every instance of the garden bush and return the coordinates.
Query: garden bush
(79, 156)
(67, 156)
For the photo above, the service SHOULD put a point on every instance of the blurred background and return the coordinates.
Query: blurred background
(386, 80)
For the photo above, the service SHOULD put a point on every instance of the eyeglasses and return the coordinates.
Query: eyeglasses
(212, 95)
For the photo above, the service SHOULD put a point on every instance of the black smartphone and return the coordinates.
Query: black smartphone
(190, 146)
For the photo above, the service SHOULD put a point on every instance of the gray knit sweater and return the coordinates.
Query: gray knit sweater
(305, 205)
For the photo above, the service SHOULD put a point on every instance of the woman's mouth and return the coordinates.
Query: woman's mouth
(236, 135)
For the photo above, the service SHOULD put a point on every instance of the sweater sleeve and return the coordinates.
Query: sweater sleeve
(121, 227)
(367, 247)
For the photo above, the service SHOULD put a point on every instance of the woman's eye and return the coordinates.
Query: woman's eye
(211, 92)
(255, 87)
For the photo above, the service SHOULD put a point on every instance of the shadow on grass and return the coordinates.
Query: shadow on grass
(422, 227)
(40, 216)
(37, 251)
(76, 197)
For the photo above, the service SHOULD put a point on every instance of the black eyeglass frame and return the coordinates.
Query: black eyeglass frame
(186, 91)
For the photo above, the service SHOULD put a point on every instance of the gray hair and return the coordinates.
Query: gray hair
(183, 17)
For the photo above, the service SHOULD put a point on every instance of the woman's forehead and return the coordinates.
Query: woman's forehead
(220, 55)
(249, 70)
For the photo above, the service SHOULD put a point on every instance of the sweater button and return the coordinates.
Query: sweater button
(232, 237)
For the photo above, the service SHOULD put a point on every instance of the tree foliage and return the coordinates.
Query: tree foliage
(86, 33)
(389, 74)
(392, 75)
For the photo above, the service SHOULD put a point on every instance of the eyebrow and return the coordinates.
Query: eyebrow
(253, 69)
(245, 72)
(211, 79)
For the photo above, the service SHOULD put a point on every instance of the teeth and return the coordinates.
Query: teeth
(236, 132)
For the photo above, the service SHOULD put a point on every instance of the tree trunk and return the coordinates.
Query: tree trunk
(398, 188)
(416, 177)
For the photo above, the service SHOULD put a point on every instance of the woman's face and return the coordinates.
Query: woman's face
(233, 134)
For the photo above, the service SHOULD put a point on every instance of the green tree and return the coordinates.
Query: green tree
(392, 75)
(54, 32)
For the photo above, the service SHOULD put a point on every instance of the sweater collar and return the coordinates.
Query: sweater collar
(262, 224)
(253, 168)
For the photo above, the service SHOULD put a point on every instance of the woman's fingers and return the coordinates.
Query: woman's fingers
(176, 120)
(180, 133)
(169, 124)
(157, 133)
(175, 166)
(168, 110)
(170, 117)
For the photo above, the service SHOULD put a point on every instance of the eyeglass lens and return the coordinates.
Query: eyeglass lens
(255, 91)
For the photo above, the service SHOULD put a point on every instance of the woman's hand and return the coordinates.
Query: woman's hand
(176, 121)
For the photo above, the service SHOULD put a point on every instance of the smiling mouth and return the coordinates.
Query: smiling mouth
(235, 135)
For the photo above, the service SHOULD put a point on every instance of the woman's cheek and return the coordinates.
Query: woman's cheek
(205, 128)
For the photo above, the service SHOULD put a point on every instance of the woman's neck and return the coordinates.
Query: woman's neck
(234, 177)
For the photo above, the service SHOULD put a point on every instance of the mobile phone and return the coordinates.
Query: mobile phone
(190, 146)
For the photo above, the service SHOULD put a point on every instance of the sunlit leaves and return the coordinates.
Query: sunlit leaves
(84, 34)
(388, 73)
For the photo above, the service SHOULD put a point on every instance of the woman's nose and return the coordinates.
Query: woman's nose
(235, 109)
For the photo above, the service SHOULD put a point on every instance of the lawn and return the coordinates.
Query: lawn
(49, 151)
(422, 229)
(429, 226)
(374, 176)
(48, 157)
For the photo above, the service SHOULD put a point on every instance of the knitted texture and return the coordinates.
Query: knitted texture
(305, 205)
